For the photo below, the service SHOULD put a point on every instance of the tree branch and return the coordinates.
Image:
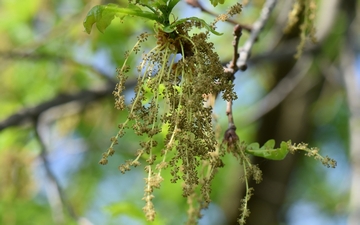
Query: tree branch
(256, 29)
(29, 115)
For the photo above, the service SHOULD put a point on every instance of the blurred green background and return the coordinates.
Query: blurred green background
(57, 117)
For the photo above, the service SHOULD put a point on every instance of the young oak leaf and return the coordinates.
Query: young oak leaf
(103, 15)
(268, 151)
(216, 2)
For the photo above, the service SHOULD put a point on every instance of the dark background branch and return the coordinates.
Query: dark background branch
(28, 115)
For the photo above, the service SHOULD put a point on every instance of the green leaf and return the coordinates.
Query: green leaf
(268, 151)
(125, 208)
(254, 145)
(215, 2)
(171, 28)
(172, 4)
(130, 209)
(152, 3)
(269, 144)
(103, 15)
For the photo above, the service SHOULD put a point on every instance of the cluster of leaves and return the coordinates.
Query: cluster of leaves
(169, 99)
(160, 11)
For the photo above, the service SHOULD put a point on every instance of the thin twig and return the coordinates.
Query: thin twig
(196, 4)
(231, 70)
(229, 114)
(256, 29)
(230, 136)
(237, 34)
(56, 195)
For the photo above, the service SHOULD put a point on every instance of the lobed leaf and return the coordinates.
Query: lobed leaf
(216, 2)
(172, 4)
(268, 151)
(103, 15)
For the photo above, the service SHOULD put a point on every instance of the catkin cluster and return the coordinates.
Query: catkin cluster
(173, 79)
(303, 12)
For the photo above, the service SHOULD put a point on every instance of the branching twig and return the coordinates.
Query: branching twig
(231, 69)
(256, 29)
(230, 135)
(56, 196)
(196, 4)
(237, 34)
